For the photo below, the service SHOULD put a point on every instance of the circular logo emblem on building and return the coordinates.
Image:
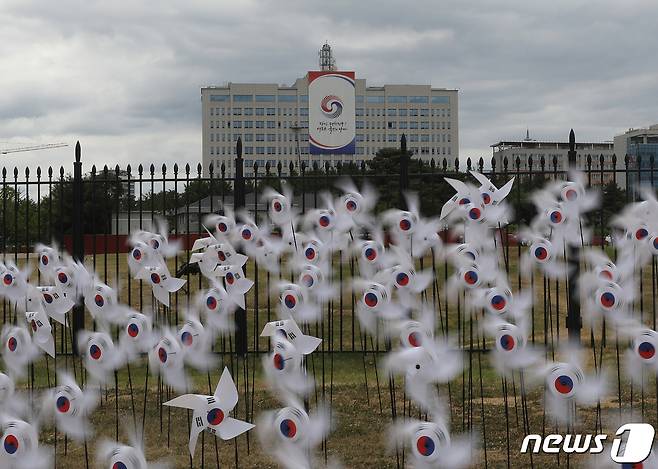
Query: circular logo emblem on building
(331, 106)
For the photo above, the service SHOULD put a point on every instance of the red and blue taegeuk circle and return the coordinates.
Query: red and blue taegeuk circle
(415, 339)
(646, 350)
(95, 351)
(474, 213)
(607, 299)
(162, 355)
(402, 279)
(215, 416)
(541, 253)
(555, 216)
(63, 404)
(211, 302)
(471, 277)
(133, 330)
(571, 194)
(12, 344)
(11, 444)
(99, 300)
(288, 428)
(279, 361)
(371, 299)
(324, 221)
(307, 280)
(498, 302)
(186, 338)
(641, 233)
(425, 445)
(507, 342)
(563, 384)
(290, 301)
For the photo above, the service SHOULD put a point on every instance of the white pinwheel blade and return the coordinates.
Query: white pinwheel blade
(483, 180)
(505, 190)
(226, 391)
(306, 343)
(198, 425)
(46, 342)
(161, 294)
(173, 284)
(448, 207)
(186, 401)
(458, 185)
(201, 243)
(196, 257)
(230, 428)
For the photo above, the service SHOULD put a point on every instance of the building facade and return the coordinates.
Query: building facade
(528, 148)
(272, 121)
(640, 145)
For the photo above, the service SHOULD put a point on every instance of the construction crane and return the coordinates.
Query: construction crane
(45, 146)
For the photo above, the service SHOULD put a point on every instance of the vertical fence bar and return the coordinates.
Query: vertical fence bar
(238, 204)
(574, 322)
(77, 239)
(404, 171)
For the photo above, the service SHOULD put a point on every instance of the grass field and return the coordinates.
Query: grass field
(479, 400)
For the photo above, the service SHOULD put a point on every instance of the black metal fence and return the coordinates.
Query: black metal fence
(92, 214)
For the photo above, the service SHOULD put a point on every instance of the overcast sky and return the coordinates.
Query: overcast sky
(123, 77)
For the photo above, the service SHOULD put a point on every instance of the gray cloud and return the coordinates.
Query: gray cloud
(124, 76)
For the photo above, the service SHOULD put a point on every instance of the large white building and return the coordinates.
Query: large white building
(272, 121)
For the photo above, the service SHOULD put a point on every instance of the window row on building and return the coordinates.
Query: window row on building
(303, 99)
(359, 124)
(304, 150)
(387, 137)
(292, 112)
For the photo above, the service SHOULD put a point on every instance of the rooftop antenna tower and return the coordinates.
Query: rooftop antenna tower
(327, 61)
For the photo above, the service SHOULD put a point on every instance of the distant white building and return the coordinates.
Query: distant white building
(640, 145)
(272, 121)
(553, 150)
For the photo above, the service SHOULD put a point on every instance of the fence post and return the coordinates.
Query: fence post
(238, 204)
(574, 321)
(404, 172)
(77, 241)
